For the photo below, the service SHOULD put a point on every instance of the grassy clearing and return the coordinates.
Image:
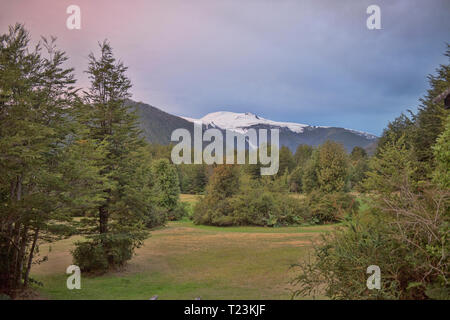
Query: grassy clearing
(190, 198)
(184, 261)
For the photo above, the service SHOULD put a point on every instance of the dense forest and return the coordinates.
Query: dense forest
(74, 162)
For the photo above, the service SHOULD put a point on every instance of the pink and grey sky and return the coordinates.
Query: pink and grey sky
(307, 61)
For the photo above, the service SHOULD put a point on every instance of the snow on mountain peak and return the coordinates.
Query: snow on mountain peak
(240, 122)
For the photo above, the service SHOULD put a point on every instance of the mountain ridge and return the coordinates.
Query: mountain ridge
(236, 121)
(158, 125)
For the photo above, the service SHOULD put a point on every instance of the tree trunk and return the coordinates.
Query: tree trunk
(14, 273)
(15, 256)
(30, 259)
(21, 257)
(104, 215)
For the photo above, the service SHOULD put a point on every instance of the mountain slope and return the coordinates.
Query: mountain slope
(158, 126)
(291, 134)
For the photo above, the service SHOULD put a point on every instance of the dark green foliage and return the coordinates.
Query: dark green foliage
(358, 173)
(441, 150)
(124, 165)
(157, 125)
(421, 130)
(166, 185)
(105, 252)
(265, 203)
(156, 217)
(309, 178)
(338, 268)
(264, 208)
(179, 212)
(406, 230)
(331, 207)
(193, 178)
(254, 206)
(233, 198)
(295, 180)
(166, 188)
(401, 126)
(287, 161)
(224, 182)
(406, 238)
(326, 169)
(357, 154)
(303, 154)
(90, 256)
(393, 165)
(359, 165)
(332, 167)
(36, 95)
(430, 118)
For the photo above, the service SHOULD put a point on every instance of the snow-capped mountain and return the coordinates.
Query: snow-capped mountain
(241, 122)
(291, 134)
(158, 126)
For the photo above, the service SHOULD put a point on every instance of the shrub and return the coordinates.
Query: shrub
(338, 266)
(90, 256)
(332, 168)
(157, 217)
(407, 238)
(102, 252)
(166, 185)
(331, 207)
(253, 207)
(179, 212)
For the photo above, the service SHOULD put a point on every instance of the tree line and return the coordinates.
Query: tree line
(72, 161)
(75, 162)
(405, 228)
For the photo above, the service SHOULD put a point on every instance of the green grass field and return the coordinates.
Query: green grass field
(185, 261)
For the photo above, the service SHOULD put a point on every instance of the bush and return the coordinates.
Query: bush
(101, 253)
(166, 184)
(339, 263)
(90, 256)
(407, 238)
(254, 207)
(157, 217)
(180, 211)
(331, 207)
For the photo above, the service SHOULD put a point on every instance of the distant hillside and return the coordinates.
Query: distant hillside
(159, 125)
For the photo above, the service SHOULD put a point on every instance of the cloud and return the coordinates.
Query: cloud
(307, 61)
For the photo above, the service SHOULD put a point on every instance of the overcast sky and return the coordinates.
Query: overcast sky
(312, 61)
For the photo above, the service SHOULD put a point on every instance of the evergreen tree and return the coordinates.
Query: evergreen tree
(400, 126)
(357, 154)
(332, 167)
(441, 150)
(358, 166)
(430, 119)
(200, 178)
(224, 182)
(295, 179)
(287, 161)
(36, 99)
(309, 177)
(303, 154)
(114, 124)
(391, 168)
(166, 184)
